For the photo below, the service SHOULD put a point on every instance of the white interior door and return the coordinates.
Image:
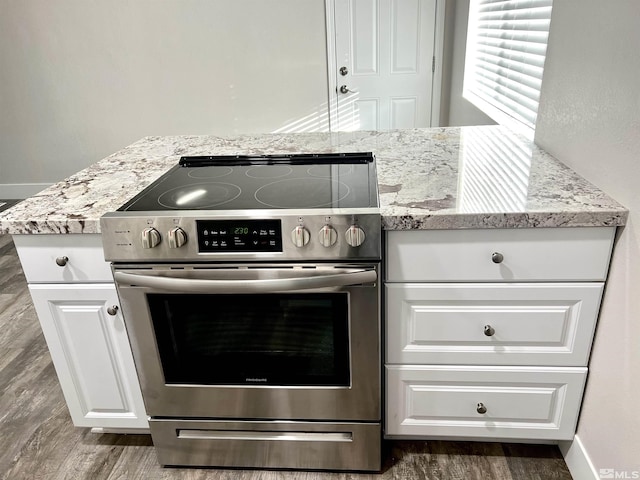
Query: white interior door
(384, 63)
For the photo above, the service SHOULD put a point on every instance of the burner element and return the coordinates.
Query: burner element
(199, 195)
(269, 171)
(210, 172)
(302, 193)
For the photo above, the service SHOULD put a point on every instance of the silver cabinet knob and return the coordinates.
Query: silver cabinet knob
(150, 238)
(481, 409)
(300, 236)
(62, 261)
(355, 236)
(177, 237)
(497, 257)
(489, 331)
(327, 236)
(112, 310)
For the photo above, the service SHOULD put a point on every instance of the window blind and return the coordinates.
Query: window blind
(506, 48)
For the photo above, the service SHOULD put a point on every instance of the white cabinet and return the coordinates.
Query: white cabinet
(488, 332)
(91, 354)
(479, 402)
(490, 323)
(527, 255)
(62, 258)
(85, 334)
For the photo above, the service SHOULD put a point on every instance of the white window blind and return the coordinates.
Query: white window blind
(506, 48)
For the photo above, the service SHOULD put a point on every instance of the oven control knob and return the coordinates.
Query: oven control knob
(150, 238)
(177, 237)
(300, 236)
(327, 236)
(354, 236)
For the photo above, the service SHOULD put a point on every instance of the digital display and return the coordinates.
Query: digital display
(239, 236)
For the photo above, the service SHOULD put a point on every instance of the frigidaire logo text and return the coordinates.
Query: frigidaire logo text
(259, 380)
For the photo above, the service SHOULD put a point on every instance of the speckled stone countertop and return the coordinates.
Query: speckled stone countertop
(439, 178)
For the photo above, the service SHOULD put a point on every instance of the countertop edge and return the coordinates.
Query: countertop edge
(505, 220)
(50, 227)
(389, 222)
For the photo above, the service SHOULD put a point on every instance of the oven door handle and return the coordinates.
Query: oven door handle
(188, 285)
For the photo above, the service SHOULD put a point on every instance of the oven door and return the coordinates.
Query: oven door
(293, 342)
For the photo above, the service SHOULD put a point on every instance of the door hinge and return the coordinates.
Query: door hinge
(433, 64)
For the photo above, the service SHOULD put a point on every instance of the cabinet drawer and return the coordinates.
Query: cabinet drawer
(520, 402)
(38, 254)
(491, 323)
(534, 254)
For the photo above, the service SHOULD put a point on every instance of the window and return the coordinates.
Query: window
(506, 48)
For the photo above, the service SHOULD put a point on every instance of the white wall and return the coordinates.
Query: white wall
(81, 79)
(589, 118)
(460, 112)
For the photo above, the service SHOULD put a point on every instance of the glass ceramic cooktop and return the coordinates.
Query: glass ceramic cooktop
(345, 180)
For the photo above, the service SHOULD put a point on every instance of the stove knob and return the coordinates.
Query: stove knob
(150, 238)
(354, 236)
(177, 237)
(327, 236)
(300, 236)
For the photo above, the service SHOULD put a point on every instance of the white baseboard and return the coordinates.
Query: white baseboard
(577, 460)
(20, 191)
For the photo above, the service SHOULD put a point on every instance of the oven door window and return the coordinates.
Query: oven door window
(260, 339)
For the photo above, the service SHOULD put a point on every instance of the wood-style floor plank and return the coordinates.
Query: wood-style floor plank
(537, 462)
(38, 440)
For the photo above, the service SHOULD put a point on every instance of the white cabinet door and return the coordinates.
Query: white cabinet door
(91, 353)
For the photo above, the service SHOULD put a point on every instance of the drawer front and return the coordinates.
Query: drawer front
(491, 323)
(479, 402)
(85, 259)
(534, 254)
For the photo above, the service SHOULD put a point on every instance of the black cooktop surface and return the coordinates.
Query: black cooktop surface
(302, 181)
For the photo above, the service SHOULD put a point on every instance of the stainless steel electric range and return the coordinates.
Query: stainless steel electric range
(250, 291)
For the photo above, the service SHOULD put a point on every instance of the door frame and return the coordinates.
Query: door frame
(438, 52)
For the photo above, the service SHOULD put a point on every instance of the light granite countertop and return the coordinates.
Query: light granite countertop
(438, 178)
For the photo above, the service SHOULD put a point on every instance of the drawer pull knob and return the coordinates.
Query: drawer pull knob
(489, 331)
(481, 409)
(497, 257)
(112, 310)
(62, 261)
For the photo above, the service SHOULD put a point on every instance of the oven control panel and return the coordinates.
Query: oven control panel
(239, 235)
(197, 237)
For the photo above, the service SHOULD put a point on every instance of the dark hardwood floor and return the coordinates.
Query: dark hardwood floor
(38, 440)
